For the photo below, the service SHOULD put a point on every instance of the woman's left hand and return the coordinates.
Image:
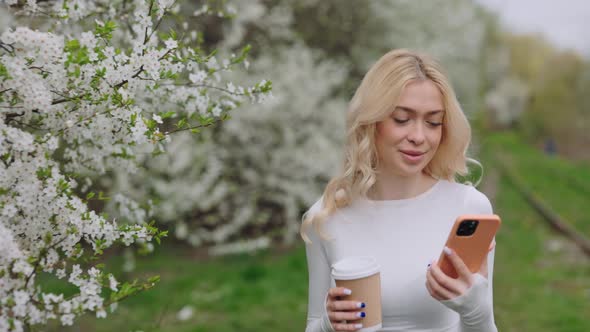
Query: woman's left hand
(442, 287)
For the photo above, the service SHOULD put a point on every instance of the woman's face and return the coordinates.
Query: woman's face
(407, 140)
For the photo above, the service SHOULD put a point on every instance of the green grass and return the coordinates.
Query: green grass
(536, 288)
(261, 292)
(563, 185)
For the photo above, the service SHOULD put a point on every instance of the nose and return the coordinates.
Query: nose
(416, 134)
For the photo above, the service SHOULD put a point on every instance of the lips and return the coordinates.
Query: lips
(412, 152)
(412, 157)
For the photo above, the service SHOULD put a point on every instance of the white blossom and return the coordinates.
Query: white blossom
(157, 118)
(197, 77)
(171, 44)
(87, 88)
(112, 283)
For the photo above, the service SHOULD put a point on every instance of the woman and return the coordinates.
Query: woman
(396, 200)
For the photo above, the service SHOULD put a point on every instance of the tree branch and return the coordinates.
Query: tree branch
(195, 127)
(41, 69)
(139, 71)
(39, 260)
(206, 86)
(59, 101)
(157, 23)
(6, 47)
(145, 36)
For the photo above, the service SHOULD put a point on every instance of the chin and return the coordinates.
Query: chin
(406, 171)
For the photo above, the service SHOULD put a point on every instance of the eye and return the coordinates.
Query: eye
(434, 124)
(401, 120)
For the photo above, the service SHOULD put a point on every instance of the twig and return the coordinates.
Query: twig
(206, 86)
(5, 46)
(41, 69)
(11, 107)
(25, 124)
(195, 127)
(145, 36)
(159, 21)
(39, 260)
(139, 71)
(59, 101)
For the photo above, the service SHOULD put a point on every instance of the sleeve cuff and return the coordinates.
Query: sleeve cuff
(474, 303)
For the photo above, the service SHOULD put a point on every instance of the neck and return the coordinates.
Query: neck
(391, 186)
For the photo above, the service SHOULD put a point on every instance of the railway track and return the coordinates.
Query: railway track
(555, 221)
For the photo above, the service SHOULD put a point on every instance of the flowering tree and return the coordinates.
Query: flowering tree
(95, 86)
(242, 186)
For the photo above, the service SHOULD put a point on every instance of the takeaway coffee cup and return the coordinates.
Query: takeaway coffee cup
(361, 274)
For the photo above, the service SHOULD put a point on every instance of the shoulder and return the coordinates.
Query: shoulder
(328, 222)
(309, 228)
(475, 202)
(315, 207)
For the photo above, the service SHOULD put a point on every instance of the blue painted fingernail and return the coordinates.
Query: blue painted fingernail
(361, 314)
(361, 304)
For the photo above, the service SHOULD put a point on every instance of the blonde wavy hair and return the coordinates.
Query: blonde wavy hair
(372, 102)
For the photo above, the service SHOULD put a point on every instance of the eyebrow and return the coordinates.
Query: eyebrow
(411, 110)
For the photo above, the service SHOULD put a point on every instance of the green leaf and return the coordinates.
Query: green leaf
(173, 34)
(182, 123)
(151, 124)
(44, 173)
(48, 238)
(101, 72)
(165, 115)
(102, 197)
(3, 71)
(72, 45)
(105, 31)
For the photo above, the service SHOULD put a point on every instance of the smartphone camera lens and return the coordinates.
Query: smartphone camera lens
(467, 227)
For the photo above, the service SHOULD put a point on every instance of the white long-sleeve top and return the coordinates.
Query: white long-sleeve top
(404, 236)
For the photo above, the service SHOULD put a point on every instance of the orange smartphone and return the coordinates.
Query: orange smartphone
(470, 237)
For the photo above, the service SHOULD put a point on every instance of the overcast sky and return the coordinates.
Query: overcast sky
(566, 23)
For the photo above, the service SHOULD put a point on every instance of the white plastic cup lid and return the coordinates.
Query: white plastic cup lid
(355, 267)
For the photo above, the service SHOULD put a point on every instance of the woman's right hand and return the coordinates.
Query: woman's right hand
(344, 315)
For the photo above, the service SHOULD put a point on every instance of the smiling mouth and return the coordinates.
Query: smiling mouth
(413, 154)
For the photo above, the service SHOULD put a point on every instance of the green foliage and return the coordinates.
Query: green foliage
(4, 71)
(105, 30)
(555, 108)
(43, 173)
(76, 55)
